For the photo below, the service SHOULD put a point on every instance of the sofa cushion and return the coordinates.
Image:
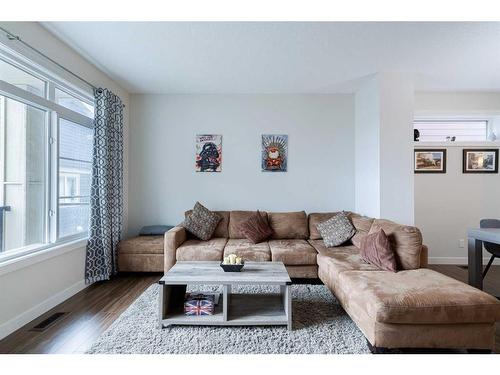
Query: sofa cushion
(376, 249)
(316, 218)
(288, 225)
(339, 259)
(406, 241)
(236, 218)
(141, 245)
(293, 252)
(336, 230)
(221, 230)
(420, 296)
(302, 272)
(201, 222)
(247, 250)
(140, 263)
(193, 250)
(362, 225)
(256, 229)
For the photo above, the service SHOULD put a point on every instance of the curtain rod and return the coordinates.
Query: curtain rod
(12, 36)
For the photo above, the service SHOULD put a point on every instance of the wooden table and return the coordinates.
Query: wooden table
(476, 238)
(235, 309)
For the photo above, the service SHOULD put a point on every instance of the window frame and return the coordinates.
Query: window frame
(54, 112)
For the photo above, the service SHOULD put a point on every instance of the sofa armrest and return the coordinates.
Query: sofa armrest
(424, 257)
(174, 238)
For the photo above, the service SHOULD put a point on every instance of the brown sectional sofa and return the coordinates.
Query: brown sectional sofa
(288, 244)
(413, 308)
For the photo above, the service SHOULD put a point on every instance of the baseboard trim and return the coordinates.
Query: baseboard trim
(458, 260)
(19, 321)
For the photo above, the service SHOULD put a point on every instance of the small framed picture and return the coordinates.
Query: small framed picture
(480, 160)
(274, 152)
(430, 160)
(208, 153)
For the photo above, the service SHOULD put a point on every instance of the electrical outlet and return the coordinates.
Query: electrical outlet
(461, 243)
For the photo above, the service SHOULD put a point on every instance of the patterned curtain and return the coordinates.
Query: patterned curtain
(106, 195)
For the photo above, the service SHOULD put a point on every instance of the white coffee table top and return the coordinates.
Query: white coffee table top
(265, 273)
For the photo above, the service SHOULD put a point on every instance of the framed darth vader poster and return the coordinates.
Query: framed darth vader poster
(208, 153)
(274, 153)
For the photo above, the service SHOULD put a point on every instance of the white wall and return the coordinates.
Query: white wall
(40, 283)
(396, 153)
(384, 177)
(367, 146)
(27, 292)
(472, 102)
(447, 204)
(164, 184)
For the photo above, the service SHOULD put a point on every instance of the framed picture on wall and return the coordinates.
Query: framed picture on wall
(274, 154)
(480, 160)
(430, 160)
(208, 153)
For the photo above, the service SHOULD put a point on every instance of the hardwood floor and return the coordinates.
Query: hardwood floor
(87, 315)
(90, 312)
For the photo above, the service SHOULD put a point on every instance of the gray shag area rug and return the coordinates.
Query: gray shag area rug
(320, 326)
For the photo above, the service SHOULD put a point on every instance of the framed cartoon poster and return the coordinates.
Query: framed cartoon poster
(208, 153)
(274, 155)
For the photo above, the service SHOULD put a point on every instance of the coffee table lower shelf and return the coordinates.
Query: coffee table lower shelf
(232, 309)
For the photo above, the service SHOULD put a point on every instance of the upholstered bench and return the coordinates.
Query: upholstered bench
(141, 254)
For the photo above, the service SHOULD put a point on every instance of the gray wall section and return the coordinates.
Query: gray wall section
(164, 183)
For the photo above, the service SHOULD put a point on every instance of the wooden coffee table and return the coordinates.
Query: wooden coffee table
(234, 309)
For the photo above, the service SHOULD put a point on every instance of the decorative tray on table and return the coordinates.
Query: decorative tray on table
(232, 263)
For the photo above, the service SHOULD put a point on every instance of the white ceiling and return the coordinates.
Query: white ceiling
(286, 57)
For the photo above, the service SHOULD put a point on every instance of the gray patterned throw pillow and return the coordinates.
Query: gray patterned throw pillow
(201, 222)
(336, 230)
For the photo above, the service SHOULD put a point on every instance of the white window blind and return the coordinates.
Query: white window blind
(445, 130)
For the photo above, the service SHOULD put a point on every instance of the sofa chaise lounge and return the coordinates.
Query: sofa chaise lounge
(413, 308)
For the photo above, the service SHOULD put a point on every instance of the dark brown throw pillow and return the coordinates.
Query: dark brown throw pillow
(256, 228)
(376, 249)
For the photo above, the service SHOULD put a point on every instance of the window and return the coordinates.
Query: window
(452, 130)
(73, 103)
(19, 78)
(75, 172)
(46, 135)
(23, 130)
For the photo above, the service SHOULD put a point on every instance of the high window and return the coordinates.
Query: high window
(452, 130)
(46, 137)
